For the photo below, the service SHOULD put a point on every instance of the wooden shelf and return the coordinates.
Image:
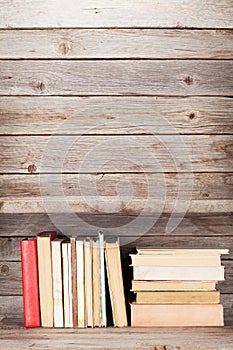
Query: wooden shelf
(117, 338)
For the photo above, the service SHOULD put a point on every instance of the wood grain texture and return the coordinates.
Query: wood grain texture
(198, 338)
(116, 43)
(33, 185)
(11, 281)
(121, 13)
(121, 77)
(11, 251)
(195, 225)
(100, 154)
(115, 115)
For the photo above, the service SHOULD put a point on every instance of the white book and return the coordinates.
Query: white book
(162, 273)
(80, 284)
(175, 260)
(66, 299)
(103, 313)
(88, 282)
(57, 283)
(70, 285)
(182, 251)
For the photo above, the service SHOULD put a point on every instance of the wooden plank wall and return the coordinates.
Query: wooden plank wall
(130, 100)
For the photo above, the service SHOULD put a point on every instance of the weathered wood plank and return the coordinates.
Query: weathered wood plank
(100, 154)
(11, 283)
(116, 43)
(109, 205)
(140, 13)
(121, 77)
(198, 338)
(10, 279)
(34, 185)
(10, 246)
(196, 225)
(115, 115)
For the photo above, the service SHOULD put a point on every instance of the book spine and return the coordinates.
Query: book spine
(103, 311)
(30, 284)
(74, 281)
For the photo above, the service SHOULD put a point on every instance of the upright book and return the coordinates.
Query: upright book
(80, 284)
(103, 312)
(45, 276)
(57, 283)
(115, 282)
(30, 283)
(88, 282)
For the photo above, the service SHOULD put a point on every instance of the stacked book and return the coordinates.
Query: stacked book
(65, 280)
(177, 287)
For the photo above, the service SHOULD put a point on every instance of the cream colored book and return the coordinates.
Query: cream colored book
(115, 282)
(175, 260)
(193, 273)
(96, 284)
(173, 285)
(45, 279)
(67, 301)
(70, 285)
(182, 251)
(103, 312)
(151, 315)
(88, 282)
(80, 284)
(178, 297)
(57, 283)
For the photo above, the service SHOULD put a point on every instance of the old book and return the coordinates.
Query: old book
(178, 297)
(80, 283)
(74, 281)
(67, 284)
(30, 283)
(88, 282)
(45, 276)
(115, 282)
(193, 273)
(173, 285)
(151, 315)
(103, 312)
(163, 251)
(96, 284)
(57, 283)
(175, 260)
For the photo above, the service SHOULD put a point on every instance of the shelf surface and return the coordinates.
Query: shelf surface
(117, 338)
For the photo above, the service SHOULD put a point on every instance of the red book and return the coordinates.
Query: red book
(30, 284)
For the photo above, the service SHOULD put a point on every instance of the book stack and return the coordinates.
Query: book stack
(177, 287)
(65, 280)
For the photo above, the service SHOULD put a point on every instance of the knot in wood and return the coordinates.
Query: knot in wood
(39, 86)
(32, 168)
(65, 48)
(188, 80)
(192, 116)
(4, 269)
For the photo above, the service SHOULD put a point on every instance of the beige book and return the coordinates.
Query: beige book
(74, 281)
(193, 273)
(80, 284)
(70, 287)
(178, 297)
(88, 282)
(182, 251)
(57, 283)
(67, 299)
(96, 284)
(151, 315)
(175, 260)
(173, 285)
(115, 282)
(45, 280)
